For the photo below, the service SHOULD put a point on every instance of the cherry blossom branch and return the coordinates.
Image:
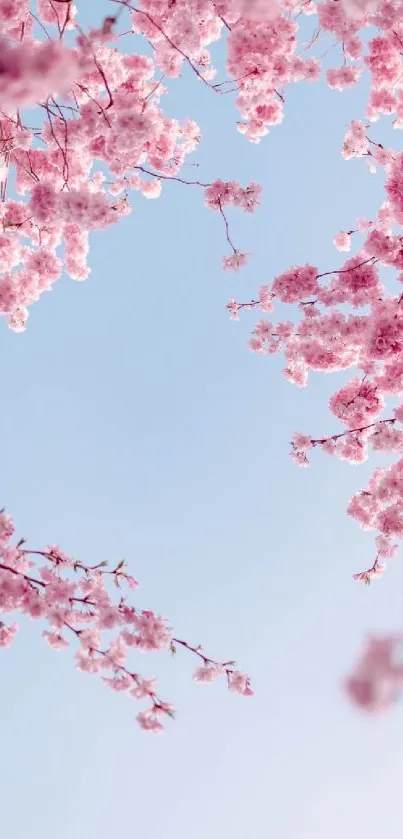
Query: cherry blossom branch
(55, 595)
(227, 234)
(360, 430)
(163, 177)
(215, 87)
(267, 294)
(376, 570)
(371, 260)
(174, 46)
(237, 256)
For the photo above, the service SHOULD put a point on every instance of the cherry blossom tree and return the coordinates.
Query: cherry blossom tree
(82, 128)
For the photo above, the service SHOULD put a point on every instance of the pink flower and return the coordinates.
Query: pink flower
(302, 442)
(343, 77)
(295, 284)
(6, 528)
(356, 9)
(87, 662)
(44, 203)
(17, 319)
(148, 722)
(386, 549)
(118, 683)
(55, 640)
(151, 189)
(373, 573)
(265, 299)
(152, 632)
(90, 639)
(249, 198)
(7, 634)
(144, 688)
(239, 683)
(208, 673)
(108, 618)
(377, 680)
(342, 241)
(355, 140)
(233, 308)
(380, 245)
(357, 403)
(30, 71)
(131, 582)
(220, 193)
(235, 261)
(115, 656)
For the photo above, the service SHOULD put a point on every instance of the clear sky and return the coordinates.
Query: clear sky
(135, 423)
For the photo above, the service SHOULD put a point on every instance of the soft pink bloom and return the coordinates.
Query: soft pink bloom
(386, 548)
(208, 673)
(6, 528)
(131, 582)
(115, 655)
(144, 688)
(239, 683)
(88, 662)
(265, 299)
(342, 241)
(90, 639)
(55, 640)
(108, 618)
(302, 442)
(220, 193)
(296, 284)
(233, 308)
(152, 189)
(30, 71)
(377, 680)
(235, 261)
(148, 722)
(357, 403)
(152, 632)
(7, 634)
(377, 570)
(343, 77)
(17, 319)
(118, 683)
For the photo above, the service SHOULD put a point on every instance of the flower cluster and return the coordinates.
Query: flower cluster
(377, 679)
(102, 136)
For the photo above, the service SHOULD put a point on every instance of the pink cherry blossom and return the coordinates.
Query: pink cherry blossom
(377, 680)
(357, 403)
(55, 640)
(235, 261)
(148, 722)
(7, 634)
(343, 77)
(239, 683)
(7, 528)
(342, 241)
(144, 688)
(207, 673)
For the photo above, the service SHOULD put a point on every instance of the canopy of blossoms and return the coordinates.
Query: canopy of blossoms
(83, 129)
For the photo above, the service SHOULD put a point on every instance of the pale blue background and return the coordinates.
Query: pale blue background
(136, 423)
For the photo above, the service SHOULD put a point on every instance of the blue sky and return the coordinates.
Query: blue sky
(136, 423)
